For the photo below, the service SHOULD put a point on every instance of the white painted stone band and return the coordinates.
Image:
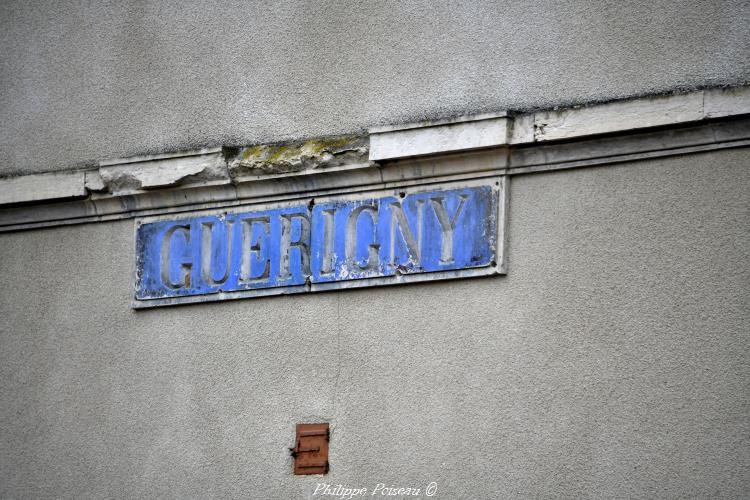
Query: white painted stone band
(433, 139)
(43, 187)
(600, 150)
(472, 133)
(208, 167)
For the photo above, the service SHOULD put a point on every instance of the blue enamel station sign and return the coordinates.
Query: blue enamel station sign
(319, 244)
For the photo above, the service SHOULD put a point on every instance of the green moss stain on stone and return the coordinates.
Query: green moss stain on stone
(294, 156)
(251, 151)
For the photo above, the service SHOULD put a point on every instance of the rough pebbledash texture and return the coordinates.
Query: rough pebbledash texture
(610, 369)
(86, 81)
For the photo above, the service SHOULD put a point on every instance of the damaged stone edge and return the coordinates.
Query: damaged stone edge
(231, 168)
(192, 169)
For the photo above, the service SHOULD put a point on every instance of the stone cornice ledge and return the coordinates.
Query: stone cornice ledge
(461, 134)
(491, 143)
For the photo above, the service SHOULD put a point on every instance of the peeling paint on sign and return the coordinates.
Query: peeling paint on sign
(366, 239)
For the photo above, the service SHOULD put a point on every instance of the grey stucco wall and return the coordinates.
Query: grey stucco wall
(612, 361)
(86, 81)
